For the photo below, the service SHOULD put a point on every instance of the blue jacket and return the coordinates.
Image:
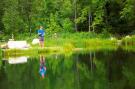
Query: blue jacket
(41, 32)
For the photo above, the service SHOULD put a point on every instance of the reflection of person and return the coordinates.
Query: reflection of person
(41, 34)
(42, 69)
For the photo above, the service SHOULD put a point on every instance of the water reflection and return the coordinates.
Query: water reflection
(42, 69)
(91, 70)
(16, 60)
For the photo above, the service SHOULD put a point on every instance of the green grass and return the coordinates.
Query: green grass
(65, 43)
(30, 52)
(79, 40)
(0, 53)
(129, 48)
(0, 57)
(129, 40)
(66, 50)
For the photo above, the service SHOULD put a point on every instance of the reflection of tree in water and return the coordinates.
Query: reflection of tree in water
(95, 70)
(84, 68)
(61, 73)
(3, 75)
(116, 65)
(129, 71)
(24, 76)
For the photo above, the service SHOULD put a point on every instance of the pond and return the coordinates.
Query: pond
(84, 70)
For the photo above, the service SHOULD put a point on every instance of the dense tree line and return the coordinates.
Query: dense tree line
(21, 16)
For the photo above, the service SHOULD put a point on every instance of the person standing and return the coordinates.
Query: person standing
(41, 34)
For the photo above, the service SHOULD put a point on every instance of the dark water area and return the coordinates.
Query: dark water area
(90, 70)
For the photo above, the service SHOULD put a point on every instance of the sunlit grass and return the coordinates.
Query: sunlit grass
(70, 43)
(0, 53)
(129, 48)
(66, 50)
(30, 52)
(128, 40)
(65, 43)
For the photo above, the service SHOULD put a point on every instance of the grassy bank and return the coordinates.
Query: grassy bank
(128, 40)
(66, 43)
(73, 40)
(53, 50)
(129, 48)
(0, 53)
(30, 52)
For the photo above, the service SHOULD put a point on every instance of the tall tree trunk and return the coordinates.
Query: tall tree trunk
(29, 24)
(89, 20)
(75, 14)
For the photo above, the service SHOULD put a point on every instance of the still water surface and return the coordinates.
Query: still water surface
(90, 70)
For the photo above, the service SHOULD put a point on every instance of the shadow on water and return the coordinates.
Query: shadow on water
(91, 70)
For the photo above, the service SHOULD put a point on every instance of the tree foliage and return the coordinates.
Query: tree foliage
(115, 16)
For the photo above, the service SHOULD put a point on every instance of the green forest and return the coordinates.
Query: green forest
(25, 16)
(69, 23)
(67, 44)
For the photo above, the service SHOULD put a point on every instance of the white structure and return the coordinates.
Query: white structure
(17, 60)
(35, 41)
(127, 36)
(17, 44)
